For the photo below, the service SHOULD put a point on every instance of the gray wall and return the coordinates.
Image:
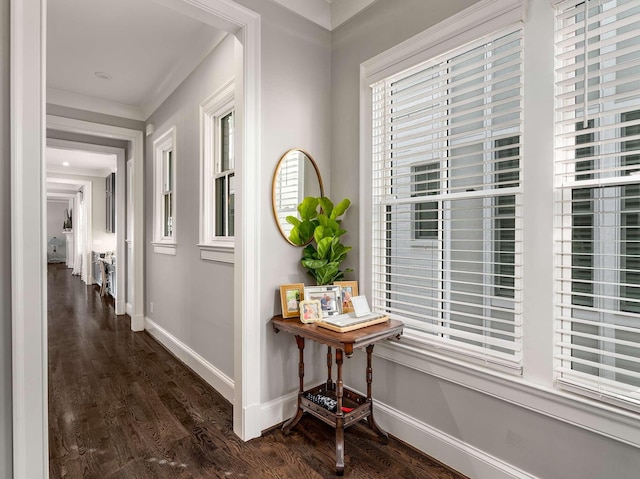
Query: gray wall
(193, 299)
(296, 108)
(537, 444)
(5, 246)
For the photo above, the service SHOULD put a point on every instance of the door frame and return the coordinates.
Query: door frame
(121, 211)
(28, 231)
(135, 138)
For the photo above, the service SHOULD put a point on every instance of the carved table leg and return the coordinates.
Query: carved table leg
(384, 437)
(339, 417)
(286, 427)
(330, 385)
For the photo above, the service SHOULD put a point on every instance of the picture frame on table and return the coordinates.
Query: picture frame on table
(329, 296)
(348, 289)
(290, 297)
(310, 311)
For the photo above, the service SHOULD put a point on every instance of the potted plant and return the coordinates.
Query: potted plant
(322, 227)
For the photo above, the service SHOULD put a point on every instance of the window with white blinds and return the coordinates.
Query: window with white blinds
(598, 201)
(446, 199)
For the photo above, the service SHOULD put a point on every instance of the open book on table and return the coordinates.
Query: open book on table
(360, 318)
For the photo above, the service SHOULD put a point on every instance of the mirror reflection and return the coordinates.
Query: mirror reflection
(296, 177)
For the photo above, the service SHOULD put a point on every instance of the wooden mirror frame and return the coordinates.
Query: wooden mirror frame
(273, 187)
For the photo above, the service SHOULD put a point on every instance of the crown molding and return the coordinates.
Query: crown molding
(329, 14)
(89, 103)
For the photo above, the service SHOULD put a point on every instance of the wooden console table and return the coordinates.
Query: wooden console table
(357, 407)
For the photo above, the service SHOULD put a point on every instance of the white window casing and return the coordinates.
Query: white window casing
(164, 203)
(597, 167)
(217, 173)
(449, 130)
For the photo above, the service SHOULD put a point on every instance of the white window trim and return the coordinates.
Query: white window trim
(166, 141)
(217, 105)
(535, 390)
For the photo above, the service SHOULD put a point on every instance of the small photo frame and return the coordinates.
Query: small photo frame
(329, 297)
(349, 290)
(310, 311)
(290, 297)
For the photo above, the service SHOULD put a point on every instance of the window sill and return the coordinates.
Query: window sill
(165, 248)
(562, 405)
(223, 252)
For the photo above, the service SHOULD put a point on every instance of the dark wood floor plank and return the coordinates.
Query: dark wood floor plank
(122, 407)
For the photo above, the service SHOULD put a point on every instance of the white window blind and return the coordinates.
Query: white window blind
(289, 190)
(598, 202)
(446, 199)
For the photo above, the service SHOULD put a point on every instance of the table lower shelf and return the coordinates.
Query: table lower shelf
(359, 407)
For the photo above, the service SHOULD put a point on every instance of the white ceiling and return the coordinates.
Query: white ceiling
(84, 163)
(145, 48)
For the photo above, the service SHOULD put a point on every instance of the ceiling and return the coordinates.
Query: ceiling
(125, 57)
(329, 14)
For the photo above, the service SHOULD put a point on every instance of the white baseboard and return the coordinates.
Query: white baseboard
(447, 449)
(129, 309)
(137, 322)
(278, 410)
(203, 368)
(120, 307)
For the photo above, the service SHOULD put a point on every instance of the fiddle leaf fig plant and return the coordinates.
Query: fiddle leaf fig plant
(322, 227)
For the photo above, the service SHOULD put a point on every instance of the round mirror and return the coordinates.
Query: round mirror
(296, 177)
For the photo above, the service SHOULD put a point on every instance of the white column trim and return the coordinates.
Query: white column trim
(248, 325)
(28, 240)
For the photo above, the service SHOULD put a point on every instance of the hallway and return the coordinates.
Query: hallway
(121, 406)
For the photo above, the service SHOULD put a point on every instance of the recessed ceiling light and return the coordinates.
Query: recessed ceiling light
(103, 75)
(65, 163)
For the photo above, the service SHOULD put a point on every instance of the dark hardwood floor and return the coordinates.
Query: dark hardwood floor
(121, 406)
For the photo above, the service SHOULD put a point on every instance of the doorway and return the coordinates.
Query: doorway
(90, 167)
(29, 293)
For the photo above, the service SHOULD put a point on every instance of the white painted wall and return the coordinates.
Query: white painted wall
(6, 439)
(192, 298)
(476, 433)
(55, 219)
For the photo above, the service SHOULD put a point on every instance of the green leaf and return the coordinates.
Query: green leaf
(313, 263)
(341, 208)
(309, 252)
(306, 230)
(339, 252)
(334, 225)
(326, 205)
(292, 220)
(294, 236)
(327, 273)
(324, 247)
(321, 233)
(308, 208)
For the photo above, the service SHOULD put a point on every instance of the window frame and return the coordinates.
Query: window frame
(460, 316)
(590, 312)
(535, 390)
(163, 146)
(212, 110)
